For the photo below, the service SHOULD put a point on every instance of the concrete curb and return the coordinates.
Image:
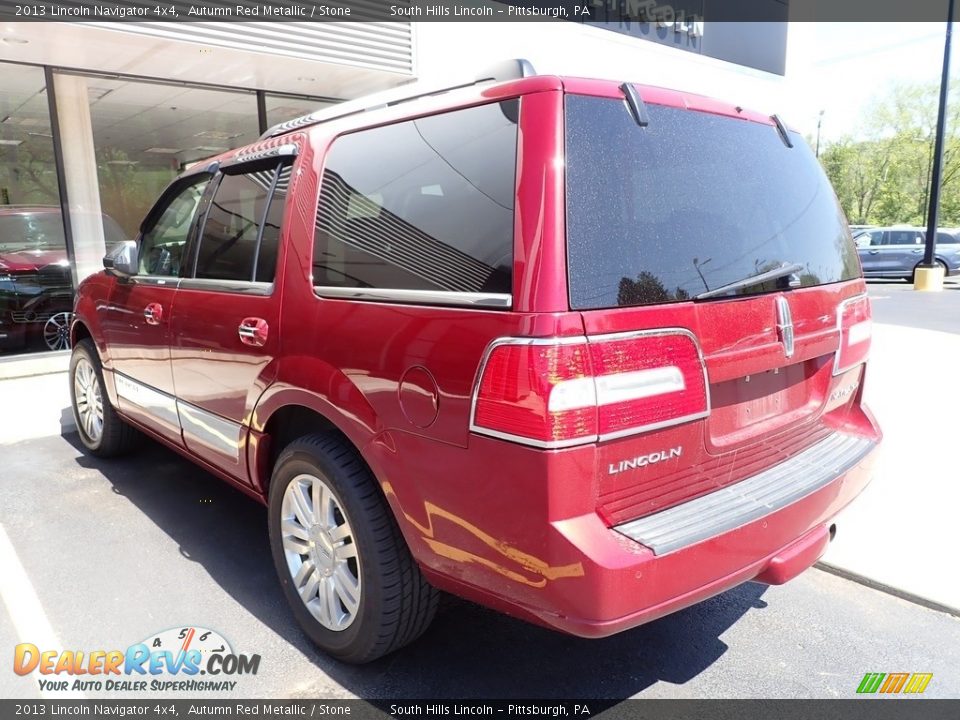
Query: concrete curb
(888, 589)
(19, 366)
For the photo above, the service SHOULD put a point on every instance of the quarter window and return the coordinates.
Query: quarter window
(425, 204)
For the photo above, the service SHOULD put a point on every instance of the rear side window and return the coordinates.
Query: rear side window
(242, 227)
(904, 237)
(425, 204)
(690, 203)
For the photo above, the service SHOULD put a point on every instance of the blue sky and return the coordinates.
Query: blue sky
(840, 67)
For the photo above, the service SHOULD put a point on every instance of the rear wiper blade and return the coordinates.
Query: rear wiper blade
(776, 273)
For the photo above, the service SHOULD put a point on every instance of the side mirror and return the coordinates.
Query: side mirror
(123, 260)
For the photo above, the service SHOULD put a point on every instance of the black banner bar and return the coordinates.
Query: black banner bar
(662, 13)
(877, 708)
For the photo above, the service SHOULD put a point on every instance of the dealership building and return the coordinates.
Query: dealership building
(97, 117)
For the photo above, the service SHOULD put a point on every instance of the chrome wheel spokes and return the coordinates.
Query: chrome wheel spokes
(321, 552)
(88, 399)
(56, 331)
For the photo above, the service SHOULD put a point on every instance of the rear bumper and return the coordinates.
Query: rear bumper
(628, 584)
(517, 529)
(755, 497)
(579, 576)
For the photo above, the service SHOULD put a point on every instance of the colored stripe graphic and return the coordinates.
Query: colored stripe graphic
(870, 682)
(894, 683)
(918, 682)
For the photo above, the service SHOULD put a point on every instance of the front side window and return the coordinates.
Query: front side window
(162, 245)
(241, 232)
(425, 204)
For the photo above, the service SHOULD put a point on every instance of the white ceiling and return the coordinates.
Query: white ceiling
(124, 50)
(130, 117)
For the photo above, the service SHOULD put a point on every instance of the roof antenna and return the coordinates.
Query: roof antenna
(637, 107)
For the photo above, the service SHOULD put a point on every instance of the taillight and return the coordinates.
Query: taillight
(538, 392)
(567, 391)
(853, 322)
(647, 381)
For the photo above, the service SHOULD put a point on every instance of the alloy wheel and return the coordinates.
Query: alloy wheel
(321, 552)
(56, 331)
(88, 399)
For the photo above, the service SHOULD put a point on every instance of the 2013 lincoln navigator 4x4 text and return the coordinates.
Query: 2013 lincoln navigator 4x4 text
(581, 351)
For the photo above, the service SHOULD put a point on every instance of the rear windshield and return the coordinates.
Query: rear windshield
(690, 203)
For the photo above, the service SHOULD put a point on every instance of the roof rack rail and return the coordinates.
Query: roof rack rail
(501, 72)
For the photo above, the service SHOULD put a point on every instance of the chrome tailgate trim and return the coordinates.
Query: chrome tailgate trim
(736, 505)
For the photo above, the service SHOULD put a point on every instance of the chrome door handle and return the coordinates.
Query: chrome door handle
(253, 331)
(153, 313)
(874, 252)
(918, 251)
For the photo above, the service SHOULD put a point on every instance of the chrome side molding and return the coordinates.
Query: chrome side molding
(152, 402)
(197, 424)
(210, 430)
(499, 301)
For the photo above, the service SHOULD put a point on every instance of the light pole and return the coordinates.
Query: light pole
(928, 275)
(819, 121)
(697, 265)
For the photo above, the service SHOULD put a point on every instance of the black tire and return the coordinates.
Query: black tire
(396, 603)
(116, 436)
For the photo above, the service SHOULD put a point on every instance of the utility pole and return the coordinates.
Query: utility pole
(819, 121)
(928, 276)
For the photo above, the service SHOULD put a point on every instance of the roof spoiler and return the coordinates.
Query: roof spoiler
(501, 72)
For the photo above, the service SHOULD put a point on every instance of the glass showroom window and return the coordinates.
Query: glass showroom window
(145, 134)
(36, 287)
(281, 108)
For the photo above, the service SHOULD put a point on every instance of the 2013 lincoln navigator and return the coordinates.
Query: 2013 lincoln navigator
(583, 351)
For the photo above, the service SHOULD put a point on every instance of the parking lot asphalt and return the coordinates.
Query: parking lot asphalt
(118, 550)
(895, 302)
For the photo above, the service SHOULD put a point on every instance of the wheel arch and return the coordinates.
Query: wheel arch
(79, 331)
(285, 413)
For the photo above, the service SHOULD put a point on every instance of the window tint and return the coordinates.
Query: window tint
(161, 247)
(690, 203)
(231, 231)
(903, 237)
(947, 239)
(421, 205)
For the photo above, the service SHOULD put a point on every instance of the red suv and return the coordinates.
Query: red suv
(580, 351)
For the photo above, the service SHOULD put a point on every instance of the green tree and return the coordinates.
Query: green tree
(882, 173)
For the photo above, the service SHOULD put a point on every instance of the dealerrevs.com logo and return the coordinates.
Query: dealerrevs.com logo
(169, 661)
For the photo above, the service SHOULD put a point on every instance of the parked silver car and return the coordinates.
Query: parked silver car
(895, 252)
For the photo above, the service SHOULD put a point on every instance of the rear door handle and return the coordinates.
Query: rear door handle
(254, 331)
(918, 251)
(874, 252)
(153, 313)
